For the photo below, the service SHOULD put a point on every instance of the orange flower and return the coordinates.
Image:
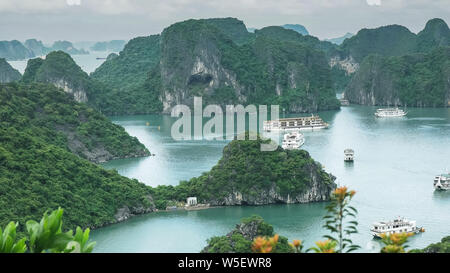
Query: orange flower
(297, 243)
(326, 246)
(274, 239)
(340, 193)
(264, 245)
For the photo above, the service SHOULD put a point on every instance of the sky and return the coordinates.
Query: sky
(98, 20)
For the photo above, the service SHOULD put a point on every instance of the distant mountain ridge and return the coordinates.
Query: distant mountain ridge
(297, 28)
(113, 45)
(340, 40)
(31, 48)
(395, 40)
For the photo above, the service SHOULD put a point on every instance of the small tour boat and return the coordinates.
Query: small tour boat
(390, 113)
(293, 141)
(399, 225)
(349, 155)
(442, 182)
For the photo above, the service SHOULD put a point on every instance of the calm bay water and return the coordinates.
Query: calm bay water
(395, 162)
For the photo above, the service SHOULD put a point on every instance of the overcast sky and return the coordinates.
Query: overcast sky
(94, 20)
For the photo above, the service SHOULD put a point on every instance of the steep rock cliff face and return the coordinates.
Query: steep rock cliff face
(127, 212)
(8, 73)
(191, 63)
(418, 80)
(247, 176)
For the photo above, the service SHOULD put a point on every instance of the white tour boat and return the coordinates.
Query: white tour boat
(390, 113)
(442, 182)
(293, 141)
(295, 124)
(399, 225)
(349, 155)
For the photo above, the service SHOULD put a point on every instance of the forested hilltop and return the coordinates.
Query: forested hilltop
(44, 137)
(394, 40)
(247, 176)
(221, 61)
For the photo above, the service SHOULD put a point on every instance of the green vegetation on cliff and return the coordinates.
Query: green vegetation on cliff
(127, 79)
(56, 66)
(61, 70)
(417, 80)
(435, 34)
(7, 72)
(129, 70)
(219, 60)
(38, 171)
(233, 28)
(245, 175)
(67, 123)
(393, 40)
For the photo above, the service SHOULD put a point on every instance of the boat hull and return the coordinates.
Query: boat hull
(378, 234)
(312, 128)
(442, 183)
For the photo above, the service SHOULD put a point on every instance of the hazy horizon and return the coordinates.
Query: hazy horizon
(101, 20)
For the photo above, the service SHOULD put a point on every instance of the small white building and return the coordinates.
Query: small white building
(191, 201)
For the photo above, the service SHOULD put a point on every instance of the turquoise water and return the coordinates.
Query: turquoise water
(395, 162)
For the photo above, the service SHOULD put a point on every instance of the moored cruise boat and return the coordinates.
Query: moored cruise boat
(349, 155)
(293, 141)
(295, 124)
(442, 182)
(390, 113)
(398, 225)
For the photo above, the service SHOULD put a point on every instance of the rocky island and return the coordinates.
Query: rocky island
(247, 176)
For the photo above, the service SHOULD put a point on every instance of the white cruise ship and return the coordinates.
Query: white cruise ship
(293, 141)
(295, 124)
(442, 182)
(398, 225)
(390, 113)
(349, 155)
